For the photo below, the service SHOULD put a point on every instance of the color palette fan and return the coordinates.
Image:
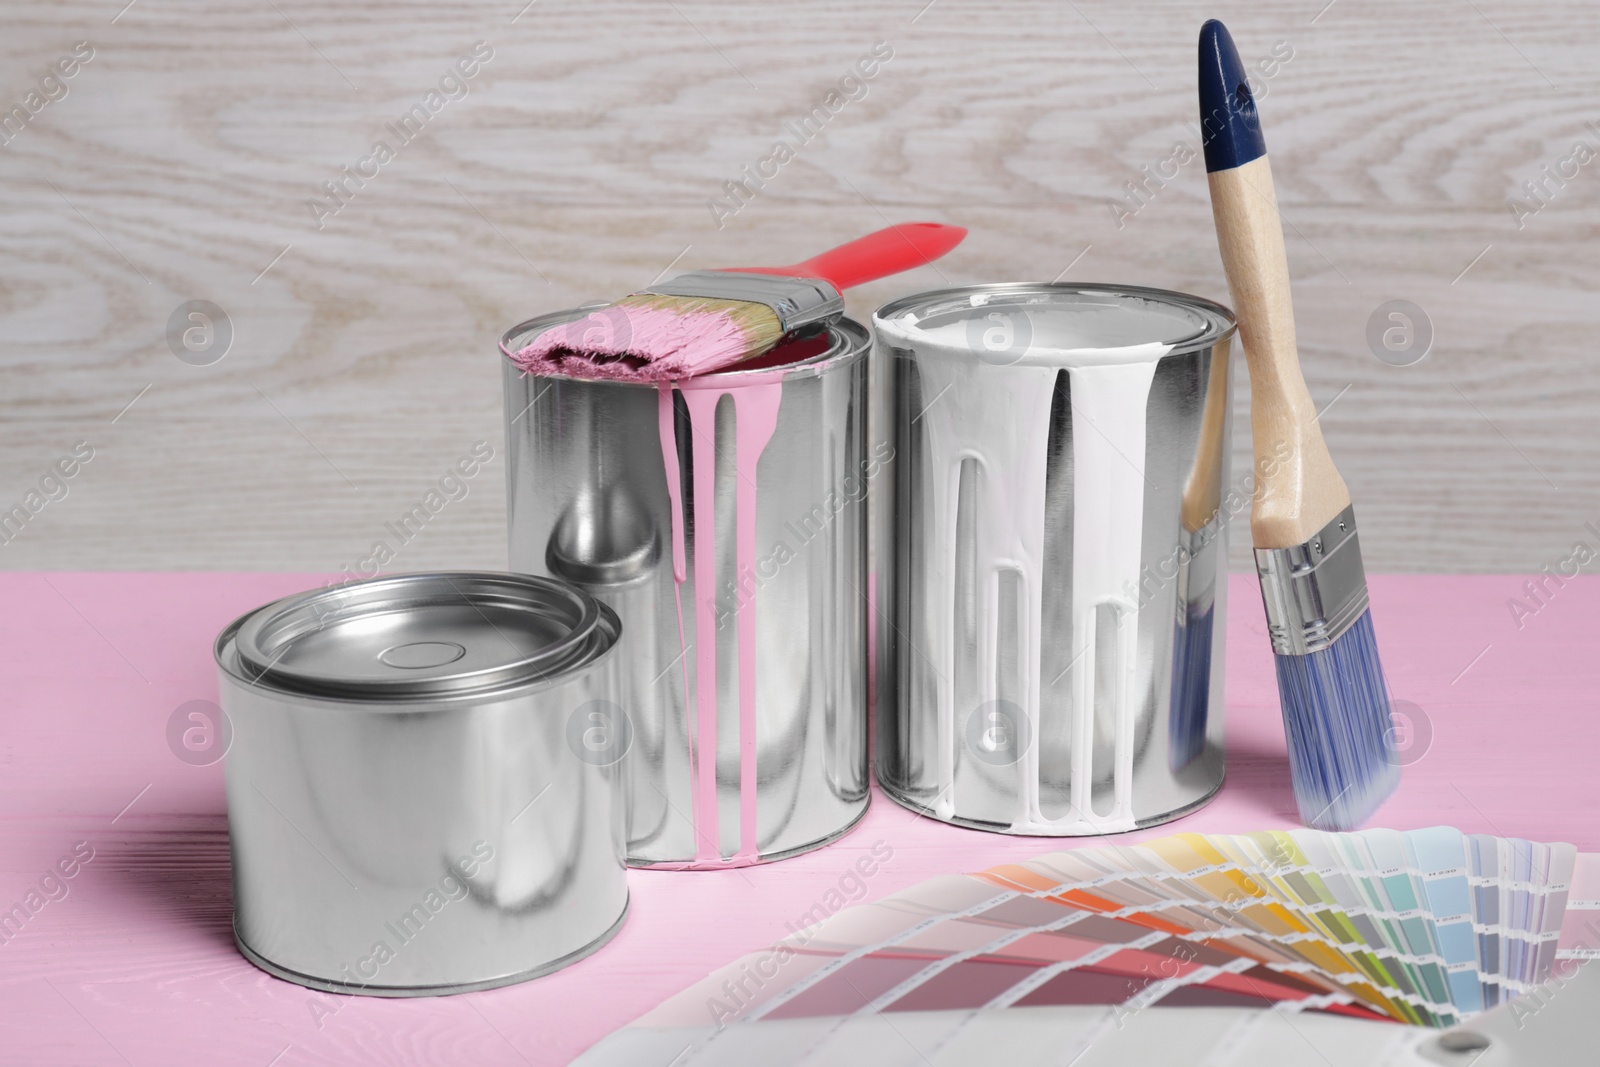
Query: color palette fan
(1426, 927)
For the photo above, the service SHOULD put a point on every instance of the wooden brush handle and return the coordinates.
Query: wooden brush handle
(1298, 491)
(1202, 492)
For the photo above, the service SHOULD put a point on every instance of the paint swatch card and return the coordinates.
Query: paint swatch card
(1425, 927)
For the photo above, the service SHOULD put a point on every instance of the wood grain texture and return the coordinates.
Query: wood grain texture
(581, 164)
(135, 964)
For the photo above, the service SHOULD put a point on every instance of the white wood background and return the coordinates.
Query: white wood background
(579, 167)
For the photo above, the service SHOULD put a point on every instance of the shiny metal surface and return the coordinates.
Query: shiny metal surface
(724, 521)
(797, 302)
(1313, 592)
(431, 822)
(1053, 631)
(418, 633)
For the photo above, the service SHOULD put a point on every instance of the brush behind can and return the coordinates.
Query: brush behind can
(723, 518)
(410, 809)
(1053, 660)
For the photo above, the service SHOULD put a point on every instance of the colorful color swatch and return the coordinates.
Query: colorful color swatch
(1426, 927)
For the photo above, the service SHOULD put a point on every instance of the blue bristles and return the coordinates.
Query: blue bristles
(1336, 713)
(1191, 689)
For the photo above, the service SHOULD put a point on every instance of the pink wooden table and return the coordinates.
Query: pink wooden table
(135, 963)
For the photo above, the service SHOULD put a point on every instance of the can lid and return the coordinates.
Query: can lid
(419, 634)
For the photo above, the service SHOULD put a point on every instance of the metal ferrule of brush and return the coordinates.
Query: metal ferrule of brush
(798, 302)
(1314, 591)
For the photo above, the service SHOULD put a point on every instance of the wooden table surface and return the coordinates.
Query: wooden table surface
(136, 964)
(580, 163)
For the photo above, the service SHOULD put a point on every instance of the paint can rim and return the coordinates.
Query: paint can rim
(438, 636)
(1215, 323)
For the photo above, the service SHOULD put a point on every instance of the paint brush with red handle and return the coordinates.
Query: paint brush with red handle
(709, 319)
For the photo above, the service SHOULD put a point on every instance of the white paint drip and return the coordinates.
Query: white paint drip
(1108, 452)
(999, 418)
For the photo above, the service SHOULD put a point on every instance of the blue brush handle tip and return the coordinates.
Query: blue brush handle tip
(1230, 127)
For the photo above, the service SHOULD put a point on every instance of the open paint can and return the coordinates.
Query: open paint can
(411, 807)
(723, 518)
(1060, 506)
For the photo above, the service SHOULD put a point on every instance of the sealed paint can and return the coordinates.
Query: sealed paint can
(1061, 497)
(723, 518)
(412, 808)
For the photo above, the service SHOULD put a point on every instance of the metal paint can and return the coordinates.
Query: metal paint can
(723, 518)
(1060, 504)
(411, 808)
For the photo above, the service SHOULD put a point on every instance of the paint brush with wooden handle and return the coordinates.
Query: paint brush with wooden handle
(1330, 683)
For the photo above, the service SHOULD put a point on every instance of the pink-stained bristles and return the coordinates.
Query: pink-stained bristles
(652, 339)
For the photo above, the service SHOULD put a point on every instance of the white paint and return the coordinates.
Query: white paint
(1108, 443)
(1086, 332)
(998, 416)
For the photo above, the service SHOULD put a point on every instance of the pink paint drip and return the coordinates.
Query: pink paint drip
(755, 419)
(702, 404)
(669, 455)
(666, 423)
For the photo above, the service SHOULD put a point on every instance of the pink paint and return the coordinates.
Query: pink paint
(669, 455)
(95, 663)
(667, 424)
(755, 418)
(702, 406)
(756, 408)
(637, 344)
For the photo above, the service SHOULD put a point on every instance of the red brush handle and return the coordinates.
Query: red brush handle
(877, 255)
